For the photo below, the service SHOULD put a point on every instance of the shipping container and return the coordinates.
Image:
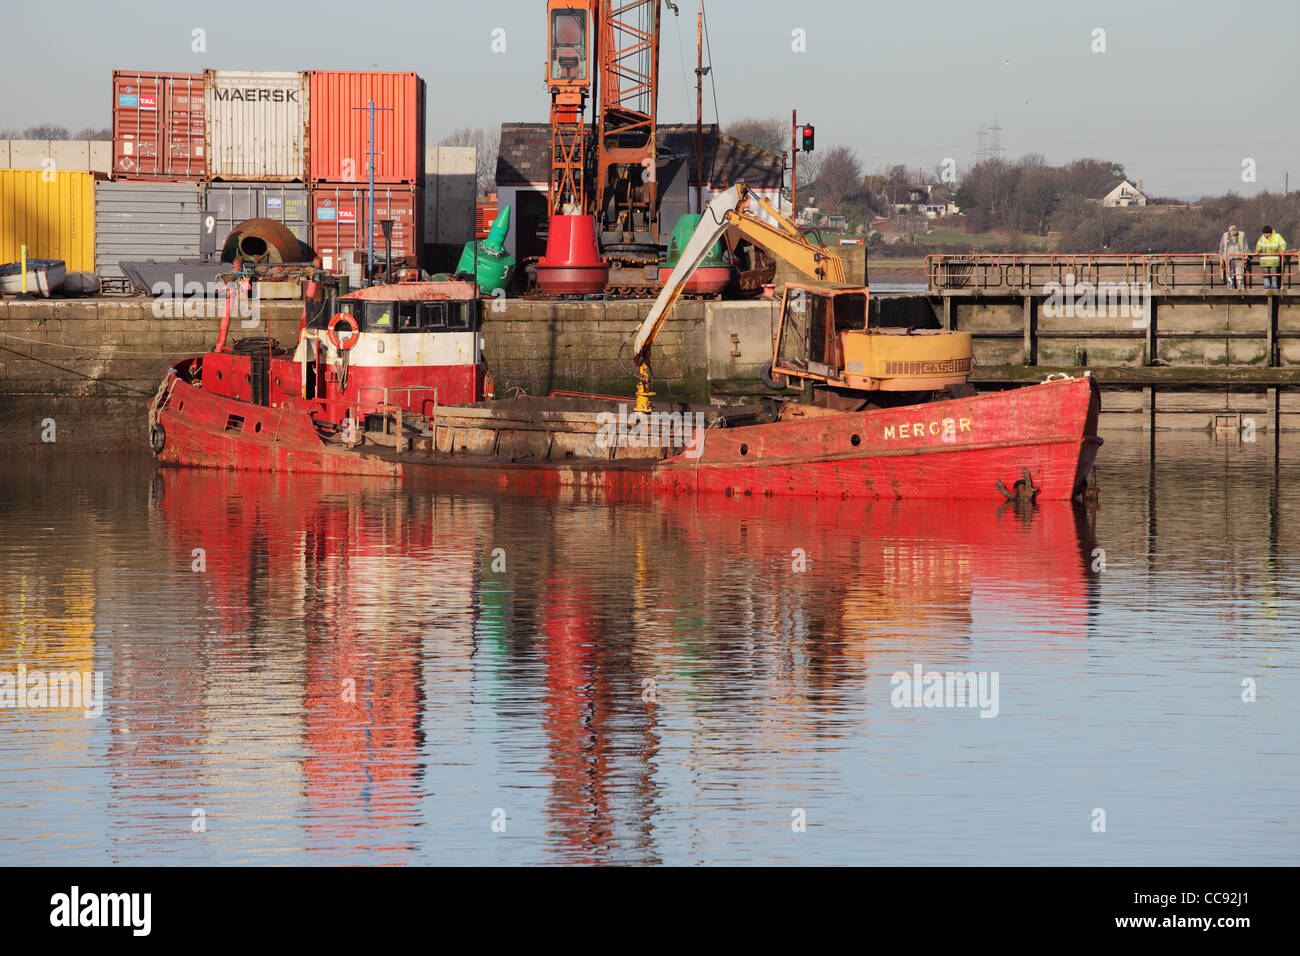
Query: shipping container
(53, 213)
(450, 185)
(487, 213)
(339, 222)
(226, 205)
(158, 126)
(340, 127)
(137, 220)
(256, 125)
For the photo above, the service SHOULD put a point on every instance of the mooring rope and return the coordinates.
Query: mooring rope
(73, 371)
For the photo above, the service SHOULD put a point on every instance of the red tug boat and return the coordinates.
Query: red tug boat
(393, 383)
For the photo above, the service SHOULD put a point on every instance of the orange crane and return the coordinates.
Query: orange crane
(604, 195)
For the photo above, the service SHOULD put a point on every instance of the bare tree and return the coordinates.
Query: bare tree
(839, 176)
(770, 134)
(46, 132)
(810, 166)
(91, 132)
(488, 144)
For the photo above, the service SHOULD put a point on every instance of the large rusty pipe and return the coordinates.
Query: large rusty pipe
(261, 241)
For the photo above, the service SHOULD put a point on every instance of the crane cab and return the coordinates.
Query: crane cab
(569, 25)
(825, 336)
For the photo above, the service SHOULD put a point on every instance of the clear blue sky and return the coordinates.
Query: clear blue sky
(1184, 92)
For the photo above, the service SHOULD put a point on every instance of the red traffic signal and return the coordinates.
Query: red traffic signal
(807, 136)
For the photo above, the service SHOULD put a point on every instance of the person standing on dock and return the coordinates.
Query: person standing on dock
(1232, 250)
(1270, 246)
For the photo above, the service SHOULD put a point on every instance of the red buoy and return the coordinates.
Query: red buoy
(706, 280)
(573, 264)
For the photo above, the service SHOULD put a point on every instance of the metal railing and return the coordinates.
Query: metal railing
(386, 390)
(1030, 273)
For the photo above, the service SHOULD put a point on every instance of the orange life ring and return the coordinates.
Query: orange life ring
(333, 336)
(489, 387)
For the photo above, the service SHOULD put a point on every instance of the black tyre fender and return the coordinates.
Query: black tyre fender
(157, 437)
(772, 382)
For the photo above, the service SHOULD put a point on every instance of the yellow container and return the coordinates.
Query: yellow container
(52, 212)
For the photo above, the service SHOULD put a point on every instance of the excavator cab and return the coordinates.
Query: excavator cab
(825, 337)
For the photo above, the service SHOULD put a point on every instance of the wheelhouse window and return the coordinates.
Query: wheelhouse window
(460, 316)
(433, 316)
(408, 316)
(381, 317)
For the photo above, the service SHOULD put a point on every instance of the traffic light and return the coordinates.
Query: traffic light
(807, 137)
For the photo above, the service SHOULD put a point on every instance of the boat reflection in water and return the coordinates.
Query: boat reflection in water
(369, 659)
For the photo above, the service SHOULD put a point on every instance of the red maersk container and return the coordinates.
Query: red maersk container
(158, 126)
(338, 213)
(340, 127)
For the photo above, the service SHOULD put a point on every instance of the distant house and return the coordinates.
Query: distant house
(890, 230)
(921, 200)
(524, 172)
(1125, 194)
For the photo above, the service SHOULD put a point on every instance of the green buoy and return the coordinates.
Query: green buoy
(682, 233)
(494, 265)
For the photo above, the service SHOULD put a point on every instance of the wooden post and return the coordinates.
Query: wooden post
(1273, 304)
(1031, 330)
(949, 314)
(1152, 343)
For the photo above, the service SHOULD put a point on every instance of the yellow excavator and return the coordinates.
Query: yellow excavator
(825, 338)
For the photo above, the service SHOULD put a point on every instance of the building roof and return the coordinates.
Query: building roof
(1126, 189)
(525, 155)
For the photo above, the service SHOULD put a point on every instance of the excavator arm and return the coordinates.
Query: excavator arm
(727, 210)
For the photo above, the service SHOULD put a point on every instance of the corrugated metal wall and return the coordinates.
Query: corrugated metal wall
(256, 125)
(52, 213)
(145, 221)
(339, 222)
(158, 127)
(226, 205)
(340, 127)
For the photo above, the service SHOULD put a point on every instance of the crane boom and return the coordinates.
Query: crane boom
(726, 211)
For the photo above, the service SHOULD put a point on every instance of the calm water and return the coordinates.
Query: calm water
(365, 673)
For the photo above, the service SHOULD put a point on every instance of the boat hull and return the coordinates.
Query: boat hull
(1043, 436)
(44, 277)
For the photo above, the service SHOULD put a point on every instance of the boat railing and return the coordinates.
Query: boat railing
(386, 390)
(355, 410)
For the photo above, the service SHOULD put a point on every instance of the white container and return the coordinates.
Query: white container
(256, 125)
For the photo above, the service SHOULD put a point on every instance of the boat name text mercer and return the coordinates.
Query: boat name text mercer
(946, 428)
